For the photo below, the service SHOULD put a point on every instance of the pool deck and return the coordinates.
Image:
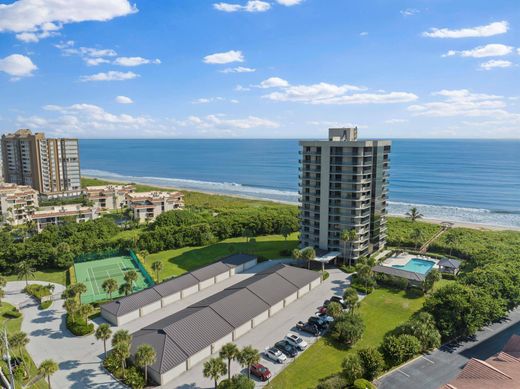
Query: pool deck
(403, 258)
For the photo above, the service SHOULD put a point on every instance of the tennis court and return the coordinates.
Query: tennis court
(94, 273)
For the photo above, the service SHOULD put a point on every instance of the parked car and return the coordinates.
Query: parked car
(323, 316)
(286, 348)
(260, 371)
(322, 324)
(308, 328)
(323, 309)
(338, 300)
(275, 355)
(296, 341)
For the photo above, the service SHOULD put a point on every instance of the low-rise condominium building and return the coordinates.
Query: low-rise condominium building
(146, 206)
(62, 213)
(17, 203)
(108, 197)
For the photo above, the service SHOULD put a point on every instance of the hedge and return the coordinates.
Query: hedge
(79, 327)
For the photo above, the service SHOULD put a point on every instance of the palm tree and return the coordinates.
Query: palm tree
(365, 273)
(109, 286)
(48, 367)
(121, 336)
(85, 311)
(25, 270)
(414, 214)
(79, 289)
(348, 236)
(131, 277)
(350, 297)
(248, 357)
(214, 369)
(122, 351)
(451, 240)
(309, 254)
(103, 332)
(143, 254)
(157, 266)
(19, 340)
(125, 288)
(416, 235)
(144, 357)
(71, 305)
(229, 351)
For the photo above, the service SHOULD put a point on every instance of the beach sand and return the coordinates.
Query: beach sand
(475, 226)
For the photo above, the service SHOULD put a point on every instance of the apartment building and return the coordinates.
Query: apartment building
(51, 166)
(344, 186)
(148, 205)
(62, 213)
(108, 197)
(17, 203)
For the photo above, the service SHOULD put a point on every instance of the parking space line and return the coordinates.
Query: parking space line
(403, 373)
(429, 360)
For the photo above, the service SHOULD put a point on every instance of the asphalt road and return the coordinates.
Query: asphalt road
(440, 366)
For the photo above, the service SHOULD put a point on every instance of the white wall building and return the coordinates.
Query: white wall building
(146, 206)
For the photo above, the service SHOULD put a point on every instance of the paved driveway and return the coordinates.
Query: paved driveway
(441, 366)
(78, 357)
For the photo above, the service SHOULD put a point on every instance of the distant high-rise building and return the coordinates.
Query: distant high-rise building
(344, 187)
(47, 165)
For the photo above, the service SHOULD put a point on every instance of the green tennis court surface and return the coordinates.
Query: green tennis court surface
(93, 273)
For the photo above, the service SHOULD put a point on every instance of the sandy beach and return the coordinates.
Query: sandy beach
(456, 224)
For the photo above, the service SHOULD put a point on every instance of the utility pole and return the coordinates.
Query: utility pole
(11, 376)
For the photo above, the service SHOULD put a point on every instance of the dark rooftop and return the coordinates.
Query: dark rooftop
(392, 271)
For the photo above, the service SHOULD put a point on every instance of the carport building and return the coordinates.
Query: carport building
(187, 337)
(128, 308)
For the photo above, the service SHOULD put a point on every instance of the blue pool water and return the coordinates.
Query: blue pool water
(416, 265)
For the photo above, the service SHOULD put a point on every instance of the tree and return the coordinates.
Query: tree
(334, 309)
(103, 332)
(79, 288)
(309, 254)
(422, 326)
(348, 237)
(157, 266)
(352, 369)
(372, 362)
(85, 311)
(2, 294)
(364, 275)
(248, 357)
(238, 381)
(296, 254)
(71, 305)
(416, 235)
(121, 352)
(18, 341)
(130, 277)
(144, 254)
(214, 368)
(431, 278)
(285, 231)
(109, 286)
(121, 336)
(47, 368)
(399, 349)
(350, 297)
(347, 329)
(451, 240)
(229, 351)
(144, 357)
(125, 288)
(25, 271)
(414, 214)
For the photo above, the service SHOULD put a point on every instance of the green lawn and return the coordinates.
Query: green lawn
(13, 325)
(382, 311)
(179, 261)
(48, 275)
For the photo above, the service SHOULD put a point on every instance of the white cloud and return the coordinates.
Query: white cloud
(35, 19)
(364, 33)
(396, 121)
(409, 12)
(325, 93)
(222, 122)
(273, 82)
(241, 88)
(238, 69)
(135, 61)
(289, 3)
(250, 6)
(124, 100)
(17, 65)
(206, 100)
(95, 61)
(223, 58)
(495, 63)
(490, 50)
(110, 76)
(491, 29)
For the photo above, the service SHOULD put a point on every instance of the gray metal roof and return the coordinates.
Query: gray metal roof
(449, 262)
(132, 302)
(237, 259)
(392, 271)
(210, 271)
(297, 276)
(167, 288)
(186, 332)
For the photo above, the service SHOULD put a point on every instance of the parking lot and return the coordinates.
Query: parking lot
(271, 331)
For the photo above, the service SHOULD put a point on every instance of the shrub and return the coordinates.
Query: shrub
(348, 269)
(362, 383)
(134, 378)
(347, 328)
(37, 291)
(238, 381)
(45, 304)
(13, 314)
(372, 362)
(352, 368)
(286, 253)
(334, 382)
(325, 275)
(391, 281)
(78, 326)
(399, 349)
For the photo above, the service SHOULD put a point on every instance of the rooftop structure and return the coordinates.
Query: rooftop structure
(146, 206)
(17, 203)
(449, 265)
(501, 371)
(188, 336)
(47, 165)
(344, 186)
(108, 197)
(59, 214)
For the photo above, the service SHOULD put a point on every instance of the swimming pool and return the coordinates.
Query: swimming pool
(416, 265)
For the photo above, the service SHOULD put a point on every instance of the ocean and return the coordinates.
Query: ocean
(472, 181)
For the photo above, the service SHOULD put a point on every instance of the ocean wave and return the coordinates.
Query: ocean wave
(440, 212)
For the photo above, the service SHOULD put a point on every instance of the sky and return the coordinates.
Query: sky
(260, 68)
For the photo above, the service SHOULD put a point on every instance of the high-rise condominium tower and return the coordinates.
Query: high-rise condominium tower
(47, 165)
(344, 187)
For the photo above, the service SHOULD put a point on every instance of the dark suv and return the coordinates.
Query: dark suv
(319, 322)
(286, 348)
